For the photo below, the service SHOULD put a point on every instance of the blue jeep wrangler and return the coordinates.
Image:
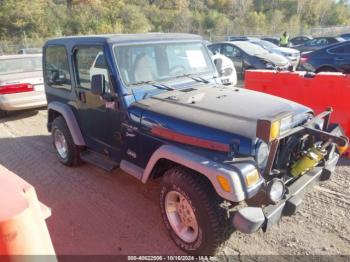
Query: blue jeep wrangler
(151, 104)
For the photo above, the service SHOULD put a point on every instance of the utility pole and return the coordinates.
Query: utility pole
(25, 39)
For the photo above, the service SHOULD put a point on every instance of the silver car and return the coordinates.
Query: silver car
(21, 82)
(293, 55)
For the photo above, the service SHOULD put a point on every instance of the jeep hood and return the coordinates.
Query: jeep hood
(220, 114)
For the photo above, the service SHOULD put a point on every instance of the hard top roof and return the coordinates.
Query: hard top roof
(124, 38)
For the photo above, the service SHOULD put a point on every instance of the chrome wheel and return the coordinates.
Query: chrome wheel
(60, 143)
(181, 216)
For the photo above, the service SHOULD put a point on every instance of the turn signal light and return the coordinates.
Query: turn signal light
(275, 130)
(342, 149)
(224, 183)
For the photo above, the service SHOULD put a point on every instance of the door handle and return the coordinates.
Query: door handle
(339, 59)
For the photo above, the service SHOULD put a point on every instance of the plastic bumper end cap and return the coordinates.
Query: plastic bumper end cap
(249, 219)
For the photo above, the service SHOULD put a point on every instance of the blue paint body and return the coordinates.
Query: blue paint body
(131, 122)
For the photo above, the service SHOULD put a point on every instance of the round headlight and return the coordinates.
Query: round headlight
(275, 190)
(262, 154)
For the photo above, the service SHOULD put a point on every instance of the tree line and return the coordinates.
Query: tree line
(50, 18)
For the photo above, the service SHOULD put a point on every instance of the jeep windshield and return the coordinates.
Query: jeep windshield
(159, 62)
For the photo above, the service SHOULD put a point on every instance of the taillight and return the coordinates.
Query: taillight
(15, 88)
(304, 59)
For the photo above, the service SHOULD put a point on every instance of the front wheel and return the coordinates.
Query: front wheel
(66, 150)
(192, 213)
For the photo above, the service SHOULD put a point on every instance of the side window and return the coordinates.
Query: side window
(231, 51)
(215, 49)
(56, 68)
(90, 61)
(322, 41)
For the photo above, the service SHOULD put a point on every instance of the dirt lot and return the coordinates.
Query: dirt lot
(95, 212)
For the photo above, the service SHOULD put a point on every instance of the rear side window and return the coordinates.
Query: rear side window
(57, 73)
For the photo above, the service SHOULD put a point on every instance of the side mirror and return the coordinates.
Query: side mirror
(98, 84)
(218, 65)
(224, 69)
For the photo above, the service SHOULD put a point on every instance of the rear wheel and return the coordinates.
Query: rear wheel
(66, 150)
(192, 213)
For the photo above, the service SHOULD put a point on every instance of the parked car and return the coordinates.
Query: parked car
(317, 43)
(334, 58)
(30, 51)
(21, 83)
(273, 40)
(239, 38)
(246, 55)
(293, 55)
(345, 36)
(299, 40)
(165, 117)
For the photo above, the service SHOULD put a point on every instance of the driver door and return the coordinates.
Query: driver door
(100, 122)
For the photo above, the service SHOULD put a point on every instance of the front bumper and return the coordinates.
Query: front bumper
(251, 219)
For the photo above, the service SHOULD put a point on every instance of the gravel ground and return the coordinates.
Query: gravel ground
(94, 212)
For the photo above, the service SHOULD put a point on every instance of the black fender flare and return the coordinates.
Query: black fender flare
(72, 123)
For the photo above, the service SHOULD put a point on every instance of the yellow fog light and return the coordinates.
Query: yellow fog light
(275, 130)
(252, 178)
(224, 183)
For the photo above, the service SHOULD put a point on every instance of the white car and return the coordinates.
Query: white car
(292, 54)
(21, 82)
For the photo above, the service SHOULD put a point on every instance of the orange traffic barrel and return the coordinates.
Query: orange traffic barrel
(23, 230)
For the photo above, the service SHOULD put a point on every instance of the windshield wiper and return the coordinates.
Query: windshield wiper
(155, 84)
(195, 78)
(152, 83)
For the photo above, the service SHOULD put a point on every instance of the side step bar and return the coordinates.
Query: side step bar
(98, 160)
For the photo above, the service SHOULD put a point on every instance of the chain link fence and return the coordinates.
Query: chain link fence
(329, 31)
(8, 47)
(14, 46)
(315, 32)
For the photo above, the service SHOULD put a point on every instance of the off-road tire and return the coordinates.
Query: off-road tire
(214, 223)
(73, 151)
